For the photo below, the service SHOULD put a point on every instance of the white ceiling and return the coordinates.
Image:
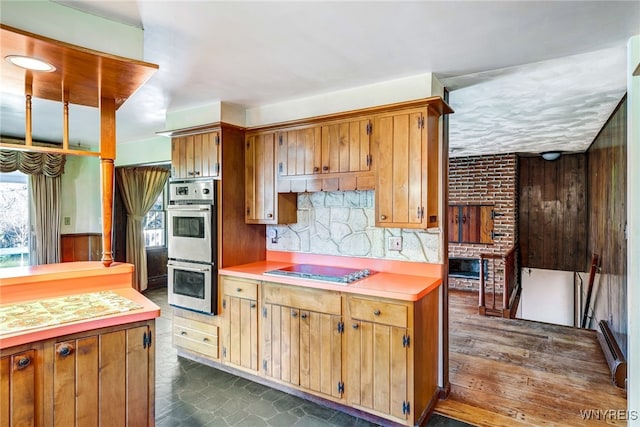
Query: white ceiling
(524, 76)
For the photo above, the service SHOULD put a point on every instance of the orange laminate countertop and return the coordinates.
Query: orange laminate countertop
(381, 284)
(26, 284)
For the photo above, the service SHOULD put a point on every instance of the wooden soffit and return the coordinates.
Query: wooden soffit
(82, 75)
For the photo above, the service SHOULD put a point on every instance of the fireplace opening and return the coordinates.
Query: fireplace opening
(467, 268)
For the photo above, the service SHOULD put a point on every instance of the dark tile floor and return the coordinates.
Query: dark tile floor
(190, 394)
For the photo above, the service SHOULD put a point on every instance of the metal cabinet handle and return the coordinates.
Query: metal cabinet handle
(325, 168)
(183, 333)
(205, 339)
(238, 289)
(23, 362)
(383, 217)
(253, 305)
(294, 313)
(376, 312)
(355, 326)
(269, 215)
(304, 315)
(316, 169)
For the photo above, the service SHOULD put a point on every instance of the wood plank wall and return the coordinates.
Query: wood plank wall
(607, 193)
(553, 213)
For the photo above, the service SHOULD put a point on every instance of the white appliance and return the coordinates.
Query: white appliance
(192, 239)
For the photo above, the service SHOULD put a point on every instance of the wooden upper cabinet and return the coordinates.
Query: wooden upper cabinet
(263, 205)
(406, 144)
(471, 224)
(299, 152)
(345, 146)
(335, 147)
(196, 156)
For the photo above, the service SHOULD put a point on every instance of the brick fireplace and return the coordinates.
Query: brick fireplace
(485, 180)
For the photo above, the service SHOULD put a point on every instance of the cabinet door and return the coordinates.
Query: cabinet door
(400, 140)
(72, 399)
(179, 163)
(470, 224)
(125, 377)
(303, 348)
(260, 185)
(345, 146)
(241, 332)
(453, 216)
(207, 154)
(377, 361)
(321, 353)
(18, 389)
(299, 152)
(196, 156)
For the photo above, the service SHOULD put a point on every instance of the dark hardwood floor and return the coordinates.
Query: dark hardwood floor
(509, 372)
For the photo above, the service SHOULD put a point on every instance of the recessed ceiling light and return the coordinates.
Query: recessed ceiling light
(30, 63)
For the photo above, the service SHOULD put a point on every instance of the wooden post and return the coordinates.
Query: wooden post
(481, 303)
(107, 156)
(27, 132)
(28, 90)
(65, 124)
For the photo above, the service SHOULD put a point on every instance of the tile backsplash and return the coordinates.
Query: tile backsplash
(342, 223)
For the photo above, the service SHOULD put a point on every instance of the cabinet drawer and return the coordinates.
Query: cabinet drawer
(378, 312)
(196, 336)
(302, 298)
(240, 288)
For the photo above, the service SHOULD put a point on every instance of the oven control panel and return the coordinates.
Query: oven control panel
(200, 192)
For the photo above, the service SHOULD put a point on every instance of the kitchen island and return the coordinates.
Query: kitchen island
(76, 346)
(369, 347)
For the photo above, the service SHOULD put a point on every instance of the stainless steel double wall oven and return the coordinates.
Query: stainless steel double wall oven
(192, 229)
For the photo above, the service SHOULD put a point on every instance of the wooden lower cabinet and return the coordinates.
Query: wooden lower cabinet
(240, 307)
(377, 356)
(392, 356)
(196, 334)
(103, 377)
(19, 388)
(302, 338)
(374, 355)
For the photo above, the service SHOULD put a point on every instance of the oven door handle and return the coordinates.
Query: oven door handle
(188, 209)
(202, 270)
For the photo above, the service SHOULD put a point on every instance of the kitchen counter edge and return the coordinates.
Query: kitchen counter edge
(382, 284)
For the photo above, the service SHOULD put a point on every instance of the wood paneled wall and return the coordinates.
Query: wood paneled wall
(607, 193)
(80, 247)
(553, 213)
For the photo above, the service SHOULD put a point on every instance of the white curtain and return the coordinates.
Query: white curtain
(139, 188)
(45, 219)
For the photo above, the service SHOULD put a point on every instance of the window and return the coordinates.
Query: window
(14, 221)
(154, 224)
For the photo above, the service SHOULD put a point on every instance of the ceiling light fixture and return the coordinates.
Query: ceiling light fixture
(551, 155)
(30, 63)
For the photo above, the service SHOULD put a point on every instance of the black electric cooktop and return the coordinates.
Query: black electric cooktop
(322, 272)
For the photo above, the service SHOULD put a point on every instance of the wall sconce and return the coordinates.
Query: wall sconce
(551, 155)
